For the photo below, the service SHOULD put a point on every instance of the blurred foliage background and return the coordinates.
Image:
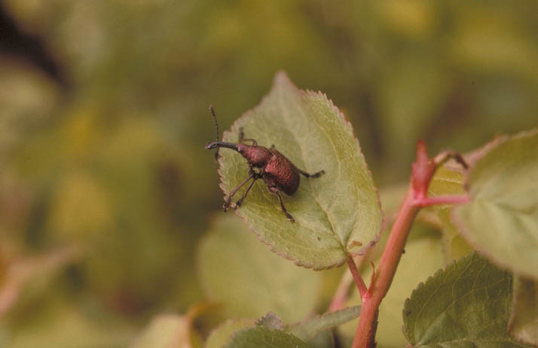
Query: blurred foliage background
(105, 187)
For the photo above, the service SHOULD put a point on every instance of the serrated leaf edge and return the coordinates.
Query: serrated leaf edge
(475, 255)
(289, 328)
(422, 284)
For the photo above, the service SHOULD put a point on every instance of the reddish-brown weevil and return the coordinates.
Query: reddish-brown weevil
(275, 169)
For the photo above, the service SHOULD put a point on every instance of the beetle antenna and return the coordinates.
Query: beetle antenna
(212, 110)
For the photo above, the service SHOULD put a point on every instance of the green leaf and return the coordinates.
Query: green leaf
(454, 245)
(238, 271)
(524, 320)
(335, 214)
(466, 304)
(263, 337)
(313, 326)
(502, 218)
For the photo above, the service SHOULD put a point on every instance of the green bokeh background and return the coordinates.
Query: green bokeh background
(105, 187)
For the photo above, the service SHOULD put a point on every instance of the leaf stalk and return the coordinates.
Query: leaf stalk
(363, 290)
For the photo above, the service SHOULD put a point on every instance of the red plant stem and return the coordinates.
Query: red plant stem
(365, 335)
(363, 290)
(416, 198)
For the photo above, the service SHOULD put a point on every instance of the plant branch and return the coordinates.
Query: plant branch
(416, 197)
(365, 334)
(342, 292)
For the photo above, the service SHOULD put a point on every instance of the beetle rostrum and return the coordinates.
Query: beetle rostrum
(275, 169)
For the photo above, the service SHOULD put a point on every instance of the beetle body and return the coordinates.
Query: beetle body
(281, 173)
(276, 170)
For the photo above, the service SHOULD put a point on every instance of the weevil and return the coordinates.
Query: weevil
(275, 169)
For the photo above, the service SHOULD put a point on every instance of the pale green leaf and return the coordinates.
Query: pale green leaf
(454, 245)
(311, 327)
(165, 331)
(325, 339)
(237, 270)
(335, 214)
(448, 180)
(524, 320)
(262, 337)
(466, 304)
(502, 218)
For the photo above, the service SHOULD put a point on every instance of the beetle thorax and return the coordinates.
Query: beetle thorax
(256, 156)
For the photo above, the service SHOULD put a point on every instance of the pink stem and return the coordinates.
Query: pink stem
(365, 334)
(363, 290)
(416, 197)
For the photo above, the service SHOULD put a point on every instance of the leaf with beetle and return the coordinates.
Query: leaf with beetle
(276, 170)
(293, 133)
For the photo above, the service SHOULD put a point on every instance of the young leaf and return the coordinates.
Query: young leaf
(524, 320)
(468, 303)
(448, 180)
(237, 270)
(337, 213)
(502, 218)
(313, 326)
(263, 337)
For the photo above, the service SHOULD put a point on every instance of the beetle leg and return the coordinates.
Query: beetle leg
(228, 200)
(315, 175)
(288, 215)
(242, 138)
(238, 203)
(284, 210)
